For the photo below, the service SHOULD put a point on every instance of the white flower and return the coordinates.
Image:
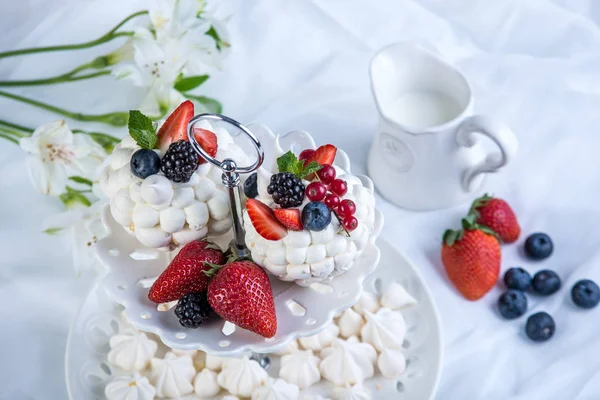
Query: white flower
(55, 154)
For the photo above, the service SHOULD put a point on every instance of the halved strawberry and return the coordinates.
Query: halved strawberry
(323, 155)
(175, 127)
(264, 221)
(290, 218)
(207, 140)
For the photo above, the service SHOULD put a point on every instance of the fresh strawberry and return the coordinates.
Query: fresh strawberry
(497, 215)
(185, 274)
(208, 141)
(290, 218)
(323, 155)
(175, 127)
(240, 292)
(471, 257)
(264, 220)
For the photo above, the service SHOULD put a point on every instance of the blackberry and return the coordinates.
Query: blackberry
(287, 189)
(179, 162)
(193, 310)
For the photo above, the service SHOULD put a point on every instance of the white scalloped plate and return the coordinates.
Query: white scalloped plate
(87, 371)
(132, 269)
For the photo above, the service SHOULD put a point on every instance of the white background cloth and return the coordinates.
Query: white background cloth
(304, 65)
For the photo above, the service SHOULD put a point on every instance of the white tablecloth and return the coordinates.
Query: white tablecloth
(304, 65)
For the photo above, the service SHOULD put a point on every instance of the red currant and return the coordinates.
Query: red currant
(347, 208)
(338, 187)
(326, 173)
(332, 201)
(316, 191)
(306, 154)
(350, 223)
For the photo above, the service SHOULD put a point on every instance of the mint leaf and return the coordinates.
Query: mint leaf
(290, 163)
(142, 130)
(311, 168)
(82, 180)
(190, 82)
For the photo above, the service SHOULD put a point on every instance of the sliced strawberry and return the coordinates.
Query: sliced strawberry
(290, 218)
(207, 140)
(175, 127)
(323, 155)
(264, 221)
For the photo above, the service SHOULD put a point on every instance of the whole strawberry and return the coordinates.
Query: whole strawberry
(240, 292)
(185, 274)
(497, 215)
(471, 257)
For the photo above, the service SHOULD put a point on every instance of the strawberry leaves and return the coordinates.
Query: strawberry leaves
(468, 223)
(290, 163)
(142, 130)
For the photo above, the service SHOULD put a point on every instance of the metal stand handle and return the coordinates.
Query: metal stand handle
(231, 175)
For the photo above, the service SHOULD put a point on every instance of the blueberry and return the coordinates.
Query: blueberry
(517, 278)
(250, 186)
(545, 282)
(512, 304)
(144, 163)
(540, 327)
(586, 294)
(538, 246)
(316, 216)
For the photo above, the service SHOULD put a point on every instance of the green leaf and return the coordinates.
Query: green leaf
(142, 130)
(311, 168)
(52, 231)
(190, 82)
(211, 105)
(82, 180)
(290, 163)
(74, 197)
(220, 43)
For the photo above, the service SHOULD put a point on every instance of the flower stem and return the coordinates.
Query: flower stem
(112, 34)
(7, 124)
(9, 138)
(114, 118)
(57, 79)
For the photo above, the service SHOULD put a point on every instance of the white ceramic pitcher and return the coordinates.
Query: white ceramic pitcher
(426, 154)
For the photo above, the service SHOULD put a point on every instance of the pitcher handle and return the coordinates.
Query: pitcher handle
(500, 134)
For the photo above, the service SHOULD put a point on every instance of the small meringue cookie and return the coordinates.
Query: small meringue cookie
(144, 216)
(356, 392)
(316, 253)
(122, 177)
(172, 219)
(132, 351)
(205, 189)
(276, 389)
(172, 376)
(240, 376)
(296, 255)
(336, 246)
(156, 190)
(391, 363)
(350, 323)
(230, 397)
(214, 362)
(177, 352)
(300, 271)
(202, 171)
(218, 205)
(367, 302)
(196, 215)
(275, 269)
(291, 347)
(384, 330)
(395, 297)
(135, 192)
(348, 362)
(182, 197)
(120, 158)
(205, 383)
(300, 368)
(314, 397)
(297, 239)
(153, 237)
(121, 207)
(322, 339)
(129, 387)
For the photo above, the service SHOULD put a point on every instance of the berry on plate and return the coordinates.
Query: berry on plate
(538, 246)
(540, 327)
(289, 217)
(251, 186)
(316, 191)
(240, 292)
(471, 257)
(316, 216)
(287, 189)
(546, 282)
(193, 310)
(326, 174)
(179, 162)
(175, 127)
(497, 215)
(185, 274)
(585, 294)
(517, 278)
(512, 304)
(144, 162)
(264, 220)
